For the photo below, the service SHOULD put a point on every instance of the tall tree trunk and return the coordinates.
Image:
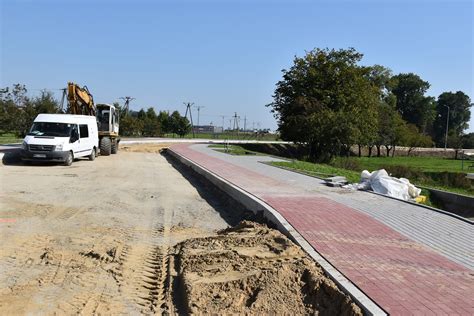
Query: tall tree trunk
(360, 151)
(370, 151)
(388, 148)
(378, 150)
(393, 151)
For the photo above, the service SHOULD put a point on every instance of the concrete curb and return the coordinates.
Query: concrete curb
(256, 205)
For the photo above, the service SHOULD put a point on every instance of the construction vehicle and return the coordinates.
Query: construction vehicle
(81, 101)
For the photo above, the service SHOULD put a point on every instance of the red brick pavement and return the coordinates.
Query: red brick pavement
(402, 276)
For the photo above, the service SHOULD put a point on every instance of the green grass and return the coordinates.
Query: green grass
(9, 138)
(319, 170)
(325, 170)
(424, 164)
(233, 149)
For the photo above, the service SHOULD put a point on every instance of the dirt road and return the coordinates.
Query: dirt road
(100, 238)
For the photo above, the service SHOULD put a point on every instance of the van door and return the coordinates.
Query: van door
(84, 141)
(75, 140)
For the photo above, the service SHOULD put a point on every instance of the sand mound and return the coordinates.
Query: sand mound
(252, 269)
(145, 147)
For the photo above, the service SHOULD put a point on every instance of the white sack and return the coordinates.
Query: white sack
(381, 182)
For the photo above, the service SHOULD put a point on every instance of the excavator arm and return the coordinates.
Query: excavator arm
(80, 100)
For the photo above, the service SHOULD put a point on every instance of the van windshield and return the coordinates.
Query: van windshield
(50, 129)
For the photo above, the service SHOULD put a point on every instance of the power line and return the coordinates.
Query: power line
(127, 103)
(199, 109)
(236, 121)
(188, 108)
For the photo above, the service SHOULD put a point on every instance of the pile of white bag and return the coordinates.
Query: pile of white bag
(381, 182)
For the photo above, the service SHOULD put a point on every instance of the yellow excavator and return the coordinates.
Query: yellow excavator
(81, 102)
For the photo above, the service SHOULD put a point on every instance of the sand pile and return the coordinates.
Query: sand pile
(253, 269)
(145, 147)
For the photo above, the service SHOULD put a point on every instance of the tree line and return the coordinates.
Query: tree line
(18, 110)
(329, 102)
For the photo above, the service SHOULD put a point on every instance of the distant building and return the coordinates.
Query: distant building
(208, 129)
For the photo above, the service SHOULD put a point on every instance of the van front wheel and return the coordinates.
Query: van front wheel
(93, 154)
(69, 159)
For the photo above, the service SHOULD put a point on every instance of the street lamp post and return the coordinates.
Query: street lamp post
(447, 126)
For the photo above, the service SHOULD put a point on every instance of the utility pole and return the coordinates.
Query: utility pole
(245, 123)
(199, 109)
(223, 117)
(63, 98)
(188, 108)
(236, 122)
(127, 104)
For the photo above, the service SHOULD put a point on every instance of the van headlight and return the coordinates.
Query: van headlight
(24, 145)
(59, 147)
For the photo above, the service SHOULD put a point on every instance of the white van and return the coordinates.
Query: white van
(61, 137)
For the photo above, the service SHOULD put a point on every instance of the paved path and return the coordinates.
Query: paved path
(406, 258)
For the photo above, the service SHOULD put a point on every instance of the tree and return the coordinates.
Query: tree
(164, 120)
(17, 110)
(459, 115)
(414, 139)
(46, 103)
(411, 101)
(12, 102)
(468, 141)
(179, 124)
(131, 126)
(32, 107)
(327, 101)
(151, 125)
(391, 129)
(388, 120)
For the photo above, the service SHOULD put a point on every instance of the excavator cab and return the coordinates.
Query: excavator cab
(107, 119)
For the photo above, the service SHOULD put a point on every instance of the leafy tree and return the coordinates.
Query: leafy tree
(414, 139)
(131, 126)
(151, 125)
(46, 103)
(411, 101)
(164, 119)
(141, 115)
(17, 110)
(391, 129)
(12, 102)
(327, 101)
(183, 126)
(468, 141)
(459, 115)
(179, 124)
(388, 120)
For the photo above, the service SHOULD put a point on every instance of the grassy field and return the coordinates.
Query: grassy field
(9, 138)
(424, 164)
(233, 149)
(324, 170)
(318, 170)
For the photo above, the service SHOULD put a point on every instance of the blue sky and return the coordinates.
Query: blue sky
(224, 55)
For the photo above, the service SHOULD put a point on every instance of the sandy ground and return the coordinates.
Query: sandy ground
(254, 270)
(128, 234)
